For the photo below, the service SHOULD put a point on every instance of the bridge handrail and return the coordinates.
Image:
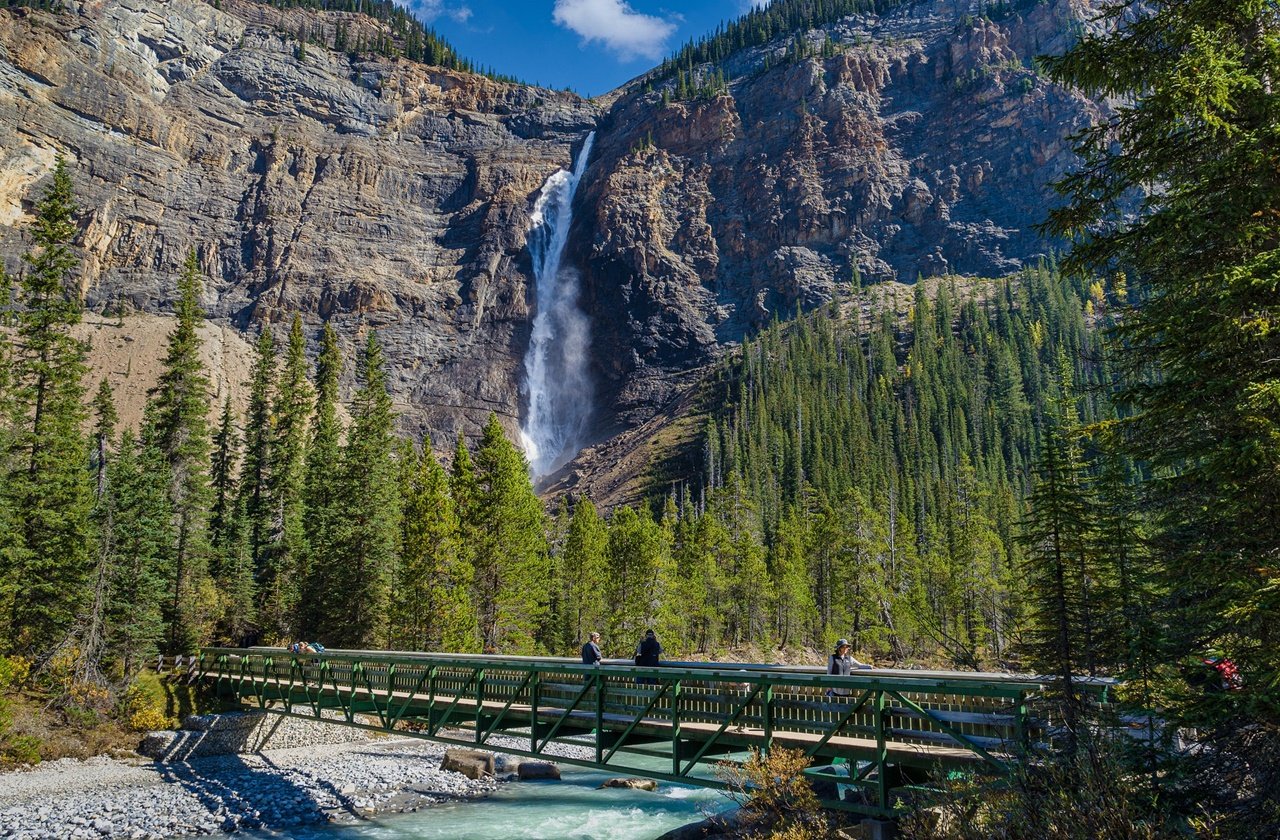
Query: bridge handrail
(1003, 685)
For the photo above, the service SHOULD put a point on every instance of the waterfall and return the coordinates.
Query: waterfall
(557, 383)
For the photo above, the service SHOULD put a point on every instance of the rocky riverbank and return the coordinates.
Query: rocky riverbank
(275, 789)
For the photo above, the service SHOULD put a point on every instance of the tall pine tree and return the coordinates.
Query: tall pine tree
(49, 487)
(179, 412)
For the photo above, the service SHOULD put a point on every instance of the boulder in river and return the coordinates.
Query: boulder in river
(538, 770)
(474, 764)
(633, 784)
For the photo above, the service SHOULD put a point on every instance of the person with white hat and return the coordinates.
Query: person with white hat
(841, 664)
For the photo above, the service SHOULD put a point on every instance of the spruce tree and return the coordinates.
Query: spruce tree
(369, 533)
(1198, 117)
(323, 504)
(1056, 535)
(144, 540)
(179, 412)
(636, 582)
(508, 525)
(286, 484)
(583, 572)
(431, 601)
(222, 476)
(92, 637)
(255, 482)
(49, 487)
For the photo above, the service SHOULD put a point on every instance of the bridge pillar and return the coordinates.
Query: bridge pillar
(880, 829)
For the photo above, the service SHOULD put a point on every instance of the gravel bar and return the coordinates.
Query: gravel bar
(274, 789)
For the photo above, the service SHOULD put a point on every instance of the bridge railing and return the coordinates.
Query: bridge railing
(881, 723)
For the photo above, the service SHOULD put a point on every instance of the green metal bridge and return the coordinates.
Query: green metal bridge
(874, 738)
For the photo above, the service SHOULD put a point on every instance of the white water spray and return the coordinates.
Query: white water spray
(557, 383)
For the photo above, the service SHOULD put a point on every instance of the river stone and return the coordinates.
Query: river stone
(506, 764)
(633, 784)
(474, 764)
(538, 770)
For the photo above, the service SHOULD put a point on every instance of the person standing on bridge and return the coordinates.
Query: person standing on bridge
(841, 664)
(648, 655)
(591, 651)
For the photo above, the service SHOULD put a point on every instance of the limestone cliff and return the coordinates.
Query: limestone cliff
(376, 193)
(927, 144)
(387, 194)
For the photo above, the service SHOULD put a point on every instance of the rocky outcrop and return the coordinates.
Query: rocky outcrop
(379, 194)
(925, 145)
(389, 195)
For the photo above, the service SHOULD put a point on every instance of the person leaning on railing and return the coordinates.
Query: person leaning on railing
(842, 664)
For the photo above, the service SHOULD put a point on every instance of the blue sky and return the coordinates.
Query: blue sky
(589, 45)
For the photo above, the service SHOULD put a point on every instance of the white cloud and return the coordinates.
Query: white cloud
(615, 24)
(429, 10)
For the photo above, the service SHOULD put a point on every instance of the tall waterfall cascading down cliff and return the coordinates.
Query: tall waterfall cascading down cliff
(557, 382)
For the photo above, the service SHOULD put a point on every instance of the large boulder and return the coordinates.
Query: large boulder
(538, 770)
(474, 764)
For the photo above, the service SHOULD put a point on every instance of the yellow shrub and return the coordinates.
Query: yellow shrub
(14, 671)
(149, 718)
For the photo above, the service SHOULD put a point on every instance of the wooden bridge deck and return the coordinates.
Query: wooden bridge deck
(888, 730)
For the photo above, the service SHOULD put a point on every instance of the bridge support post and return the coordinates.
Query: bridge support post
(880, 829)
(675, 728)
(768, 719)
(882, 754)
(535, 688)
(599, 717)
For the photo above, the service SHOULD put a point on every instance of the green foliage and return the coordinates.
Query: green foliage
(48, 491)
(255, 507)
(286, 480)
(873, 471)
(368, 537)
(506, 520)
(761, 26)
(582, 567)
(143, 541)
(431, 601)
(401, 34)
(178, 412)
(323, 508)
(1199, 347)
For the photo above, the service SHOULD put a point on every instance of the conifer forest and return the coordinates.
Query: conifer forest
(1063, 463)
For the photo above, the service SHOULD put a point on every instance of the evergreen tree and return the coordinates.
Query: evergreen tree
(93, 626)
(179, 411)
(583, 572)
(507, 523)
(431, 602)
(255, 486)
(1057, 538)
(49, 489)
(637, 581)
(369, 534)
(144, 540)
(286, 484)
(222, 474)
(1198, 120)
(323, 504)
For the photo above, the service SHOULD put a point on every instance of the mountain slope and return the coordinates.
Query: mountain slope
(374, 192)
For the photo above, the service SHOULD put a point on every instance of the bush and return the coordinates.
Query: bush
(148, 719)
(1091, 796)
(774, 797)
(15, 748)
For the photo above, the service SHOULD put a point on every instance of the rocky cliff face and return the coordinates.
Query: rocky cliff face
(376, 193)
(386, 194)
(926, 145)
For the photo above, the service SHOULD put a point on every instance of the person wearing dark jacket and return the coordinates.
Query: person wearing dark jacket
(841, 664)
(591, 651)
(648, 655)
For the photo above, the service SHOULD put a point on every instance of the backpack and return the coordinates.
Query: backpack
(316, 647)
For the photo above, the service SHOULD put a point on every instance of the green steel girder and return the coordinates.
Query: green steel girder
(694, 715)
